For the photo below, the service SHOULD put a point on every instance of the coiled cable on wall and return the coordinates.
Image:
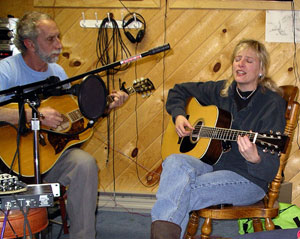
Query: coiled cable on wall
(110, 40)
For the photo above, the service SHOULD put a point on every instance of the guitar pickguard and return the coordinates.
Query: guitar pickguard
(59, 142)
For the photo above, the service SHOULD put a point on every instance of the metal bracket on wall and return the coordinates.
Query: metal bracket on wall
(97, 23)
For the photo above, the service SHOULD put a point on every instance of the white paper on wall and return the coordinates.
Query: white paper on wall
(282, 26)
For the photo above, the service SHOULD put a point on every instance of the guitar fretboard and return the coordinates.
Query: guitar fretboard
(75, 115)
(221, 133)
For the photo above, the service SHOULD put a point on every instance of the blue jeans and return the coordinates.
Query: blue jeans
(188, 184)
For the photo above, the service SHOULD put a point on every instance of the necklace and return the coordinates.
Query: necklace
(244, 97)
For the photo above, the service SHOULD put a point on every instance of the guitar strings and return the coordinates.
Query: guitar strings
(220, 133)
(231, 135)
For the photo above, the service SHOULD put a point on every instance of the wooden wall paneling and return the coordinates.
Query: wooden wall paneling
(96, 3)
(280, 56)
(82, 42)
(253, 30)
(186, 48)
(283, 73)
(296, 189)
(15, 8)
(210, 45)
(137, 172)
(293, 164)
(292, 172)
(95, 152)
(234, 4)
(149, 116)
(126, 143)
(149, 152)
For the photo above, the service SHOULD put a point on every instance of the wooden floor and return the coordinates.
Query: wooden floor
(128, 148)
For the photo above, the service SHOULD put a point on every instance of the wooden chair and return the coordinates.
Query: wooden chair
(62, 210)
(266, 208)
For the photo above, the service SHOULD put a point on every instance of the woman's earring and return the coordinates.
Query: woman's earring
(260, 76)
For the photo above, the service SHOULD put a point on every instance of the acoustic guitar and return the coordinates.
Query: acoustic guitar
(51, 144)
(212, 135)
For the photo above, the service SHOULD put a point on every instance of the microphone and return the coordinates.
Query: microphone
(150, 52)
(58, 90)
(47, 91)
(158, 49)
(73, 90)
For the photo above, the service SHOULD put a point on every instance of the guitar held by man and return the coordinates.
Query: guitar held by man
(74, 129)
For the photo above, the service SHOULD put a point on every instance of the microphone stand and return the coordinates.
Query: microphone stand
(43, 87)
(35, 127)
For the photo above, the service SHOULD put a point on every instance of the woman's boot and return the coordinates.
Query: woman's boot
(165, 230)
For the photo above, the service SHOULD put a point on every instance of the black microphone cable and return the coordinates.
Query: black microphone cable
(111, 39)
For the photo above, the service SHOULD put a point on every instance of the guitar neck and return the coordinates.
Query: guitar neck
(129, 91)
(222, 133)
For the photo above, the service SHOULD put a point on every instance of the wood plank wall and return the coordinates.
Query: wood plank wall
(200, 39)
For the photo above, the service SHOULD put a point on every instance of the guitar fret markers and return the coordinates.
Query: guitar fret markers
(221, 133)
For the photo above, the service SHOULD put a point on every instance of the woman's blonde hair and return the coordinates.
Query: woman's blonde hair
(262, 54)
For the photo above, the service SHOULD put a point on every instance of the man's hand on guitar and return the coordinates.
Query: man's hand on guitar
(248, 149)
(50, 117)
(183, 126)
(119, 98)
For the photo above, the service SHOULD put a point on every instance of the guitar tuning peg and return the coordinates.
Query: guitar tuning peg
(279, 154)
(265, 150)
(271, 131)
(278, 133)
(272, 151)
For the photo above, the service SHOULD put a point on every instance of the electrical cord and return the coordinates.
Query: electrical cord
(295, 63)
(125, 7)
(11, 227)
(163, 118)
(26, 222)
(110, 47)
(105, 42)
(4, 222)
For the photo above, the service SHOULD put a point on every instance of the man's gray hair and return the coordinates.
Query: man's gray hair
(27, 28)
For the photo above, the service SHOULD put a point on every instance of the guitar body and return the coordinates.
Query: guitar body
(51, 145)
(207, 149)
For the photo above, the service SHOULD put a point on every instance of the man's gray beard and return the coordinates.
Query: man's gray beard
(47, 58)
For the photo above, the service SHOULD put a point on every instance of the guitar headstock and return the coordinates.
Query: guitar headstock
(273, 142)
(141, 86)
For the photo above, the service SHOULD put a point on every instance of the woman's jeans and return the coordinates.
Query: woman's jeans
(188, 184)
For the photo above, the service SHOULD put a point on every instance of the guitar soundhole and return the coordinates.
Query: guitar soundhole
(195, 136)
(189, 142)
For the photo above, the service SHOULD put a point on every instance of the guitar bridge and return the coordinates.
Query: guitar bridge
(226, 146)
